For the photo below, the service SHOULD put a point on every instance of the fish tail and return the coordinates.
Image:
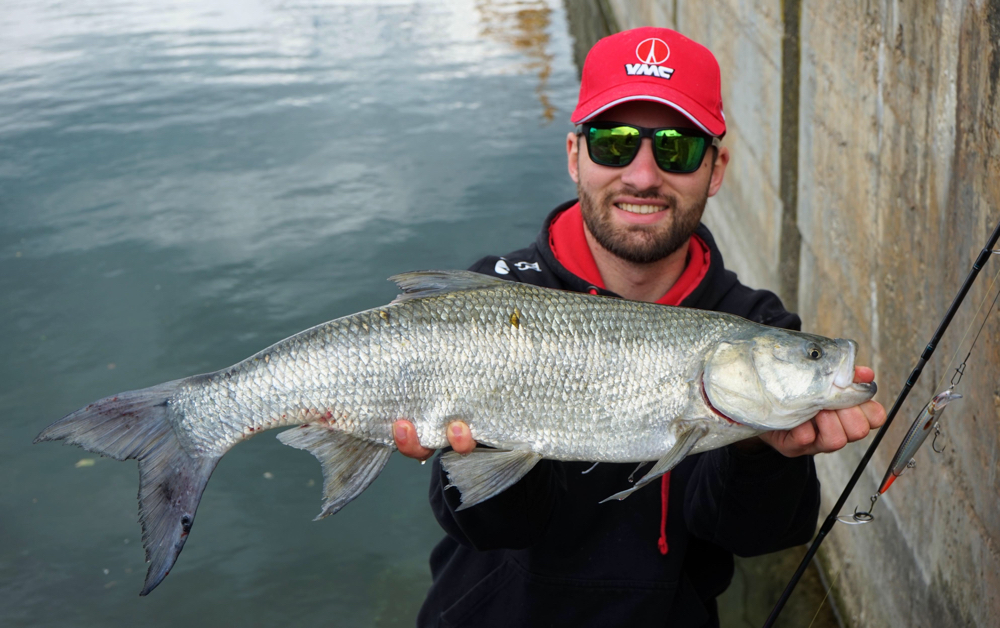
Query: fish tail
(136, 425)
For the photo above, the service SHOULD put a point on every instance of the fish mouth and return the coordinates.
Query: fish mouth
(845, 376)
(844, 382)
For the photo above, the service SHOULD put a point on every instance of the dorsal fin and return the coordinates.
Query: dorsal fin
(428, 283)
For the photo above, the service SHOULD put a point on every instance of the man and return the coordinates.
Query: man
(645, 157)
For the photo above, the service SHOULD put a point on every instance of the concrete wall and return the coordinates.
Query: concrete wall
(865, 179)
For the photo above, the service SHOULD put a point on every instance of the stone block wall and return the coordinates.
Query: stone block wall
(865, 178)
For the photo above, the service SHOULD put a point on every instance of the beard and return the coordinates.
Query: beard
(641, 244)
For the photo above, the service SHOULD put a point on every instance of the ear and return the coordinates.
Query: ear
(718, 170)
(573, 156)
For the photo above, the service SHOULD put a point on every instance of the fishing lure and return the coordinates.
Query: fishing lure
(929, 417)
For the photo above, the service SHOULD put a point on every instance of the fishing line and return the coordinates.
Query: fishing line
(928, 351)
(961, 343)
(823, 601)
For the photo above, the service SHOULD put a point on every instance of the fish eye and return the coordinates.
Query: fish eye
(814, 352)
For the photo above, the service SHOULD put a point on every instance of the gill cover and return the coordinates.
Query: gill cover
(731, 382)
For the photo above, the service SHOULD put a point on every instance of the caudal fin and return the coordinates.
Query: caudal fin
(135, 425)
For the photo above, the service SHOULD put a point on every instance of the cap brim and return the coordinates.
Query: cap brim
(651, 92)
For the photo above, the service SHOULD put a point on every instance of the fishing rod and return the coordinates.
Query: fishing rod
(910, 382)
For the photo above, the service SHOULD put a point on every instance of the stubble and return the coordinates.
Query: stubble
(641, 244)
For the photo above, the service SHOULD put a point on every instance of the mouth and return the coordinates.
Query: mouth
(867, 389)
(844, 379)
(845, 375)
(641, 209)
(846, 389)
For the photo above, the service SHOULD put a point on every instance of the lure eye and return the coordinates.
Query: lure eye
(814, 352)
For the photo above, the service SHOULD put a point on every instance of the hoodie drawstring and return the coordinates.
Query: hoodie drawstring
(664, 499)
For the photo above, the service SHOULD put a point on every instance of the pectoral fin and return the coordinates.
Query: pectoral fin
(685, 443)
(350, 464)
(486, 472)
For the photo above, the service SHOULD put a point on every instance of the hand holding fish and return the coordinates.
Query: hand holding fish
(830, 430)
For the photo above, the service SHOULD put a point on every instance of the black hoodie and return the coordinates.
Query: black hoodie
(545, 552)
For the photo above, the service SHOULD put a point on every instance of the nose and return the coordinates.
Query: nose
(643, 173)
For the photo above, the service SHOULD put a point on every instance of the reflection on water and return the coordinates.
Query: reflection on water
(183, 183)
(524, 25)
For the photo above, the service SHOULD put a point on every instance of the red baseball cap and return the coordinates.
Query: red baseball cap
(654, 64)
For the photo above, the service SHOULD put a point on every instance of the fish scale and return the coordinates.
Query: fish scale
(533, 372)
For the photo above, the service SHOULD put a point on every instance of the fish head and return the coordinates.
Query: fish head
(778, 379)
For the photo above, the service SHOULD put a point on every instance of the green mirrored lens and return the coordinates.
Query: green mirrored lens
(613, 147)
(679, 153)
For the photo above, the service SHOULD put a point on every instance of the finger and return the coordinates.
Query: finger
(460, 437)
(854, 422)
(830, 432)
(407, 443)
(803, 435)
(791, 443)
(874, 412)
(863, 374)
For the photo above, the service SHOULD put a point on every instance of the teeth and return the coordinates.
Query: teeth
(640, 209)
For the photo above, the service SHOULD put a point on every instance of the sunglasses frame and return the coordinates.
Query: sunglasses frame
(644, 132)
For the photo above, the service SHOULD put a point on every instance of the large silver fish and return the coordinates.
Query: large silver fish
(536, 373)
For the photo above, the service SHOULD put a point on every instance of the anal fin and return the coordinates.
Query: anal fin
(685, 443)
(350, 464)
(486, 472)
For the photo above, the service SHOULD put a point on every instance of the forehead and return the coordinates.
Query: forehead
(645, 113)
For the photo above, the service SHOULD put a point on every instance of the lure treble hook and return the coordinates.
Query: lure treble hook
(937, 432)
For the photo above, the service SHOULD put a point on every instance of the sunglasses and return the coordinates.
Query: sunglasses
(616, 145)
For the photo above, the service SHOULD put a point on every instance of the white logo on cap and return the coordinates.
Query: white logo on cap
(654, 51)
